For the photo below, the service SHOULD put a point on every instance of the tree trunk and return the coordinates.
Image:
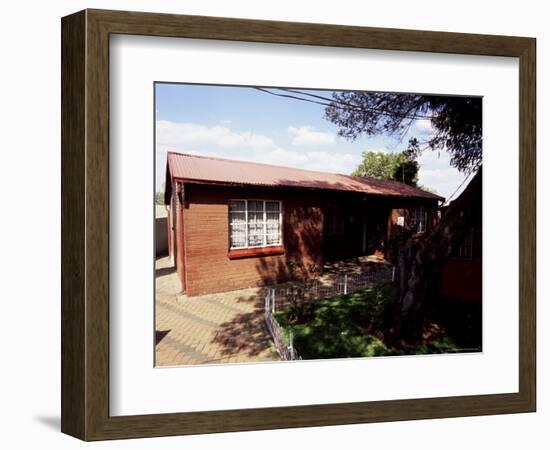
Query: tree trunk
(421, 262)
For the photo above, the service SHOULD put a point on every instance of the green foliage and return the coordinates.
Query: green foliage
(345, 326)
(407, 172)
(300, 310)
(389, 166)
(159, 198)
(455, 122)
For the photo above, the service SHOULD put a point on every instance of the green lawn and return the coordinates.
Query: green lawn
(351, 326)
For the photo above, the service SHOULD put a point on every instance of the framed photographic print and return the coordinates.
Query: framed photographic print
(270, 224)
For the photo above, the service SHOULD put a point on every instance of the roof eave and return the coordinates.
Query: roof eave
(432, 197)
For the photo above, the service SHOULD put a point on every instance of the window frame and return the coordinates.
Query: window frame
(264, 201)
(469, 248)
(414, 219)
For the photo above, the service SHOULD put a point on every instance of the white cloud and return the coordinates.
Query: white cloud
(222, 141)
(304, 136)
(332, 162)
(422, 128)
(188, 134)
(377, 150)
(436, 173)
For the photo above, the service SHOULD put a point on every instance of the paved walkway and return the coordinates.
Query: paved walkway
(221, 328)
(217, 328)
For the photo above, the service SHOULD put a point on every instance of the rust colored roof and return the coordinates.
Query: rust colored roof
(210, 170)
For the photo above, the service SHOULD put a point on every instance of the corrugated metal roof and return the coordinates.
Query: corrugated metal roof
(207, 169)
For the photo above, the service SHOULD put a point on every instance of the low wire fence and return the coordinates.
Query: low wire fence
(278, 297)
(331, 286)
(284, 342)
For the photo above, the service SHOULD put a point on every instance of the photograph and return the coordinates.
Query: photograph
(253, 208)
(308, 224)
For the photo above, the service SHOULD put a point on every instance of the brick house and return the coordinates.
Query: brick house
(236, 224)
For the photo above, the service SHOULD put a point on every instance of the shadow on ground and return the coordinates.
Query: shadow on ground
(245, 332)
(160, 335)
(164, 271)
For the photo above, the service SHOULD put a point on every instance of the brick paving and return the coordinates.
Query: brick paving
(209, 329)
(220, 328)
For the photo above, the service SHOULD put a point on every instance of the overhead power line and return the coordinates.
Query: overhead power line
(448, 200)
(326, 101)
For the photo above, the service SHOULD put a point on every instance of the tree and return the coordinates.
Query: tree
(421, 261)
(456, 128)
(389, 166)
(407, 172)
(159, 198)
(455, 121)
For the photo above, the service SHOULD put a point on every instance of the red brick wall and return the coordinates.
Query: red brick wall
(169, 222)
(179, 232)
(208, 269)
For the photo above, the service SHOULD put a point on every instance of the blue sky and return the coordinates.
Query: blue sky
(247, 124)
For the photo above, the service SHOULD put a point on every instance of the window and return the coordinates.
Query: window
(334, 222)
(254, 223)
(419, 219)
(470, 247)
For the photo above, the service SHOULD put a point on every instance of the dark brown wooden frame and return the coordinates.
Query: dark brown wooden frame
(85, 224)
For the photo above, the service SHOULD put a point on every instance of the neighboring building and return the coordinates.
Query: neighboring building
(462, 273)
(161, 231)
(236, 224)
